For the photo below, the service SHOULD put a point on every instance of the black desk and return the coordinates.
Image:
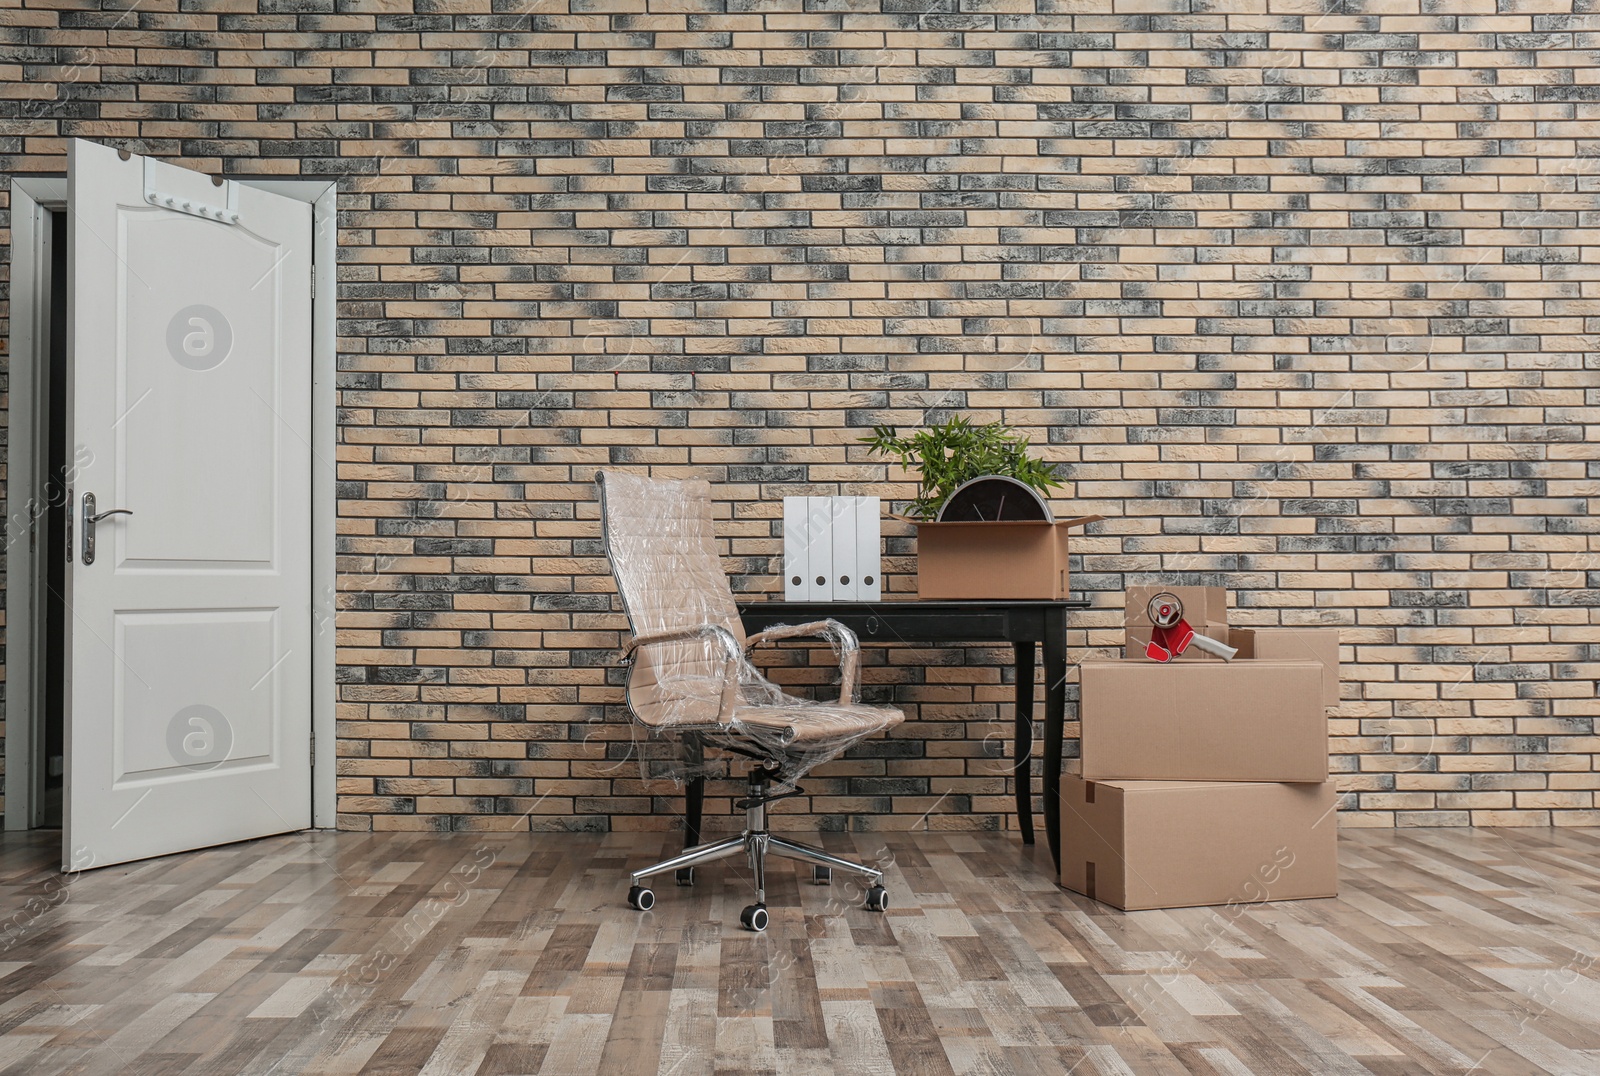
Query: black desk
(1023, 624)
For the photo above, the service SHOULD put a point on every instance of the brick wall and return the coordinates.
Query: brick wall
(1302, 294)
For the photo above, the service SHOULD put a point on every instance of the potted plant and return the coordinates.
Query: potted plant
(947, 457)
(984, 530)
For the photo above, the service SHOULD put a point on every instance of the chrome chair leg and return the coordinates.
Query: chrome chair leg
(705, 853)
(754, 916)
(782, 846)
(757, 843)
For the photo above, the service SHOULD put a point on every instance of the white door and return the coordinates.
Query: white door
(189, 684)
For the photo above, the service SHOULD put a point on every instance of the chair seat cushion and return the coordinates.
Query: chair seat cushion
(815, 724)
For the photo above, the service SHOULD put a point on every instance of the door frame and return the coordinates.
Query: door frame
(31, 198)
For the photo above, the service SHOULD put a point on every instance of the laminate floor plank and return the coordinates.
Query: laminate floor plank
(1465, 952)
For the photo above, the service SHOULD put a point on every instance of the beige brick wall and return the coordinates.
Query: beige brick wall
(1304, 295)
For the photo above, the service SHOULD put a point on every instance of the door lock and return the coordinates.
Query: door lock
(90, 518)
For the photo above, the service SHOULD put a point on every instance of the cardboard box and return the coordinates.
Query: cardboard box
(1020, 560)
(1294, 644)
(1205, 609)
(1202, 721)
(1177, 844)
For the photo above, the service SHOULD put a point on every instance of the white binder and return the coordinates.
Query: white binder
(845, 581)
(869, 549)
(796, 555)
(819, 549)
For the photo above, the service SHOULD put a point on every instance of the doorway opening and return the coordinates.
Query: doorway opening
(50, 569)
(39, 479)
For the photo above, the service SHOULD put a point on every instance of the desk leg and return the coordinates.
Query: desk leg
(694, 802)
(1055, 720)
(1022, 770)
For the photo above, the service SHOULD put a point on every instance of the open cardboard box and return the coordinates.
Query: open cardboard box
(1014, 560)
(1177, 844)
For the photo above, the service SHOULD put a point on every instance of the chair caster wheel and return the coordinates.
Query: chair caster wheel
(822, 875)
(877, 899)
(684, 875)
(641, 898)
(754, 918)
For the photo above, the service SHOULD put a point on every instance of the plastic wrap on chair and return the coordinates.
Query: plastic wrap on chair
(690, 678)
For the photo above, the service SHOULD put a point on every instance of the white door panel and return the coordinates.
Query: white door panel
(214, 377)
(189, 686)
(172, 658)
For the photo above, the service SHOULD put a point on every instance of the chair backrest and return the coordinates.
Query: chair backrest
(662, 545)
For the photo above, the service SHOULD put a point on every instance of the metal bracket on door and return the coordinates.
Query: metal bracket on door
(90, 518)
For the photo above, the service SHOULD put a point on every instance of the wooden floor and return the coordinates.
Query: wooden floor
(1451, 951)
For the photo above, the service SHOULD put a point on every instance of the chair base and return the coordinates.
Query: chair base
(756, 843)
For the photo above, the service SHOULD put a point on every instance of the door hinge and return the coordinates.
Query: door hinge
(313, 281)
(313, 752)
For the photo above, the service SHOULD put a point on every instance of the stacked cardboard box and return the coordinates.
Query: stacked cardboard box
(1204, 781)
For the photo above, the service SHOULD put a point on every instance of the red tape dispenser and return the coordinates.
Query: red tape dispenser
(1170, 634)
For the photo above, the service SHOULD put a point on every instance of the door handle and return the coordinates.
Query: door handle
(90, 518)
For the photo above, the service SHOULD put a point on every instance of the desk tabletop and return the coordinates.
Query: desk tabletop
(758, 603)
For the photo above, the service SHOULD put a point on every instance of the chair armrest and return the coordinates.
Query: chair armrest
(663, 695)
(843, 638)
(819, 628)
(678, 635)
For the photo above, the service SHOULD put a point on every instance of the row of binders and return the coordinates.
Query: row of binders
(832, 549)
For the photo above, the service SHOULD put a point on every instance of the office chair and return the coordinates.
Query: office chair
(689, 680)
